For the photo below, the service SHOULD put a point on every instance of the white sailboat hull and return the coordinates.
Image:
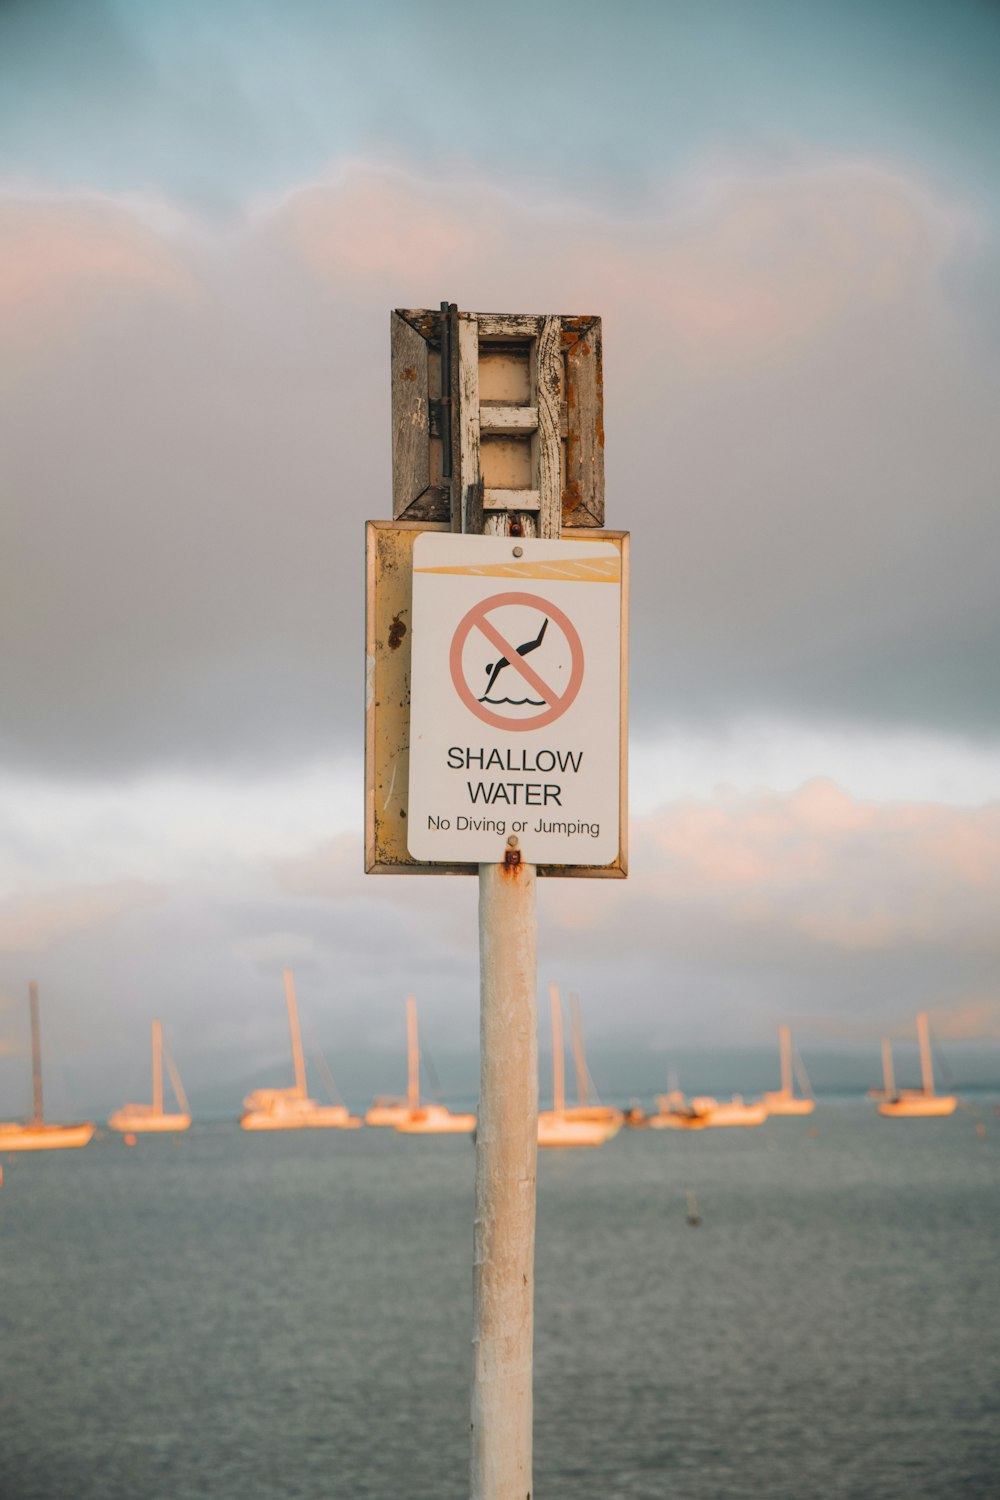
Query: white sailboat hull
(386, 1114)
(918, 1105)
(142, 1118)
(299, 1114)
(675, 1120)
(780, 1103)
(558, 1128)
(704, 1113)
(731, 1113)
(14, 1137)
(435, 1119)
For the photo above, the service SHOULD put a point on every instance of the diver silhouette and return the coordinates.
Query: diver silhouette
(495, 668)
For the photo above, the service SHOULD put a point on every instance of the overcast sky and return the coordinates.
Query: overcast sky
(788, 216)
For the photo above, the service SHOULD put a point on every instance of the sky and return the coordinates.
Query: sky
(787, 216)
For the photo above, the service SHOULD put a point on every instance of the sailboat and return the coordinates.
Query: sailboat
(292, 1109)
(557, 1126)
(150, 1117)
(414, 1118)
(675, 1111)
(913, 1103)
(784, 1101)
(35, 1134)
(606, 1114)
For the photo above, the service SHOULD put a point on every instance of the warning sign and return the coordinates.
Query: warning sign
(515, 731)
(531, 694)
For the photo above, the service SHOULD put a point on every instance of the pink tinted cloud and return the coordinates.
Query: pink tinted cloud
(375, 227)
(815, 867)
(33, 923)
(739, 266)
(60, 258)
(745, 263)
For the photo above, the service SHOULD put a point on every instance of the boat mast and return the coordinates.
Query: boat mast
(175, 1080)
(293, 1026)
(785, 1036)
(36, 1054)
(923, 1037)
(888, 1077)
(157, 1069)
(412, 1055)
(579, 1056)
(558, 1075)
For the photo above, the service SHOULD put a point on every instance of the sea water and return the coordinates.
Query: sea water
(247, 1317)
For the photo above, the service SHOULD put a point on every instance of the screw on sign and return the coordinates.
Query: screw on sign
(513, 683)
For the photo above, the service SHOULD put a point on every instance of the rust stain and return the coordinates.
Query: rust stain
(511, 866)
(571, 497)
(396, 632)
(408, 373)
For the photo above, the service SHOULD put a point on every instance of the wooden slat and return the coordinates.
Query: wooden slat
(410, 415)
(494, 420)
(468, 485)
(583, 495)
(508, 325)
(511, 500)
(548, 384)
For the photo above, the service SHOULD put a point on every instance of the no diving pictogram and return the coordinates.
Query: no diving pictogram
(512, 659)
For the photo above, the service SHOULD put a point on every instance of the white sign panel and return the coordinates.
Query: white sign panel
(515, 700)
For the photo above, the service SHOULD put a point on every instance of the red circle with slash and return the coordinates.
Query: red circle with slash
(478, 619)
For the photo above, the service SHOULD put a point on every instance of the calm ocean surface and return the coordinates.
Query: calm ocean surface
(229, 1317)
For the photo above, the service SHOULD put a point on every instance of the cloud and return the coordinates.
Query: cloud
(815, 869)
(67, 261)
(812, 904)
(34, 923)
(741, 911)
(797, 435)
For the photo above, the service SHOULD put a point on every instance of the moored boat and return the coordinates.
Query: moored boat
(784, 1101)
(674, 1112)
(703, 1112)
(387, 1109)
(559, 1126)
(37, 1134)
(292, 1108)
(919, 1103)
(414, 1117)
(150, 1118)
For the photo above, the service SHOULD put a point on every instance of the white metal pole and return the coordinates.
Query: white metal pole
(506, 1161)
(506, 1164)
